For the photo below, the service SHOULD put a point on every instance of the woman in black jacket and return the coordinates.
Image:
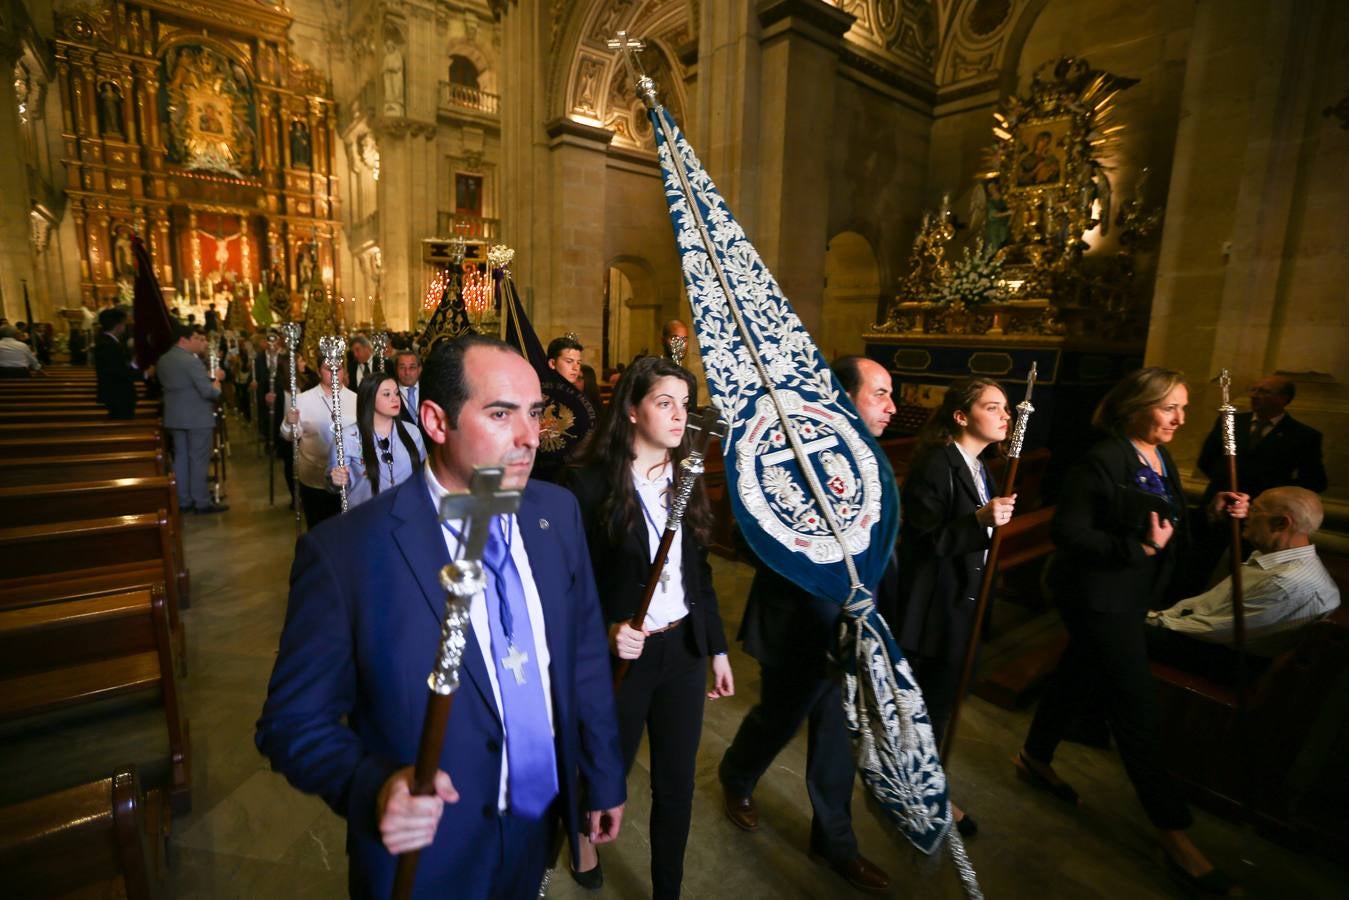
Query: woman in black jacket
(1119, 533)
(949, 514)
(624, 495)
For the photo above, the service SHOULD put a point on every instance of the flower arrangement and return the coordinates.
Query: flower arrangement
(973, 279)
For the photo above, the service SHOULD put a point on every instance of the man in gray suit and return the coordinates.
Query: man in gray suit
(189, 416)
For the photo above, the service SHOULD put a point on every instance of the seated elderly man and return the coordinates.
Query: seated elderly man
(1284, 586)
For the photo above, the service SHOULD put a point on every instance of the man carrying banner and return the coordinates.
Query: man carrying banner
(790, 633)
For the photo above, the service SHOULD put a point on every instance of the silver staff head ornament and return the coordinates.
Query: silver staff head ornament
(1229, 414)
(1023, 411)
(463, 579)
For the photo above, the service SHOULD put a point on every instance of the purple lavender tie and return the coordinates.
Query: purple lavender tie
(531, 782)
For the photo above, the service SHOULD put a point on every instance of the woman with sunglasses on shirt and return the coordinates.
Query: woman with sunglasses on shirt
(380, 450)
(625, 494)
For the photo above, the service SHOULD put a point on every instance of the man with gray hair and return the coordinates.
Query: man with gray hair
(359, 363)
(1285, 586)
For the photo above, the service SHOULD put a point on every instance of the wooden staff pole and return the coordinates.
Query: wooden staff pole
(462, 580)
(1229, 413)
(1024, 410)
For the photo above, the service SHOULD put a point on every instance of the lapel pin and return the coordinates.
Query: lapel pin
(543, 523)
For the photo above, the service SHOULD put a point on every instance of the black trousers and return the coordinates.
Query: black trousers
(663, 695)
(1106, 662)
(318, 505)
(787, 697)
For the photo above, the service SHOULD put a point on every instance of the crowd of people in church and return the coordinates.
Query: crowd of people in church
(1138, 575)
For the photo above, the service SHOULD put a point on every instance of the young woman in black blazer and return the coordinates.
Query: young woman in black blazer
(950, 510)
(624, 495)
(1119, 533)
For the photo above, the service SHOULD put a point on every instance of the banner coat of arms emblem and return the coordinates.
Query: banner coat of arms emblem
(811, 489)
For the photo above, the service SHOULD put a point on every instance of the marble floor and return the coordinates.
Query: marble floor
(250, 835)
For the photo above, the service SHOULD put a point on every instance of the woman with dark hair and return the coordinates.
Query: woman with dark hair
(375, 460)
(950, 510)
(1119, 532)
(625, 493)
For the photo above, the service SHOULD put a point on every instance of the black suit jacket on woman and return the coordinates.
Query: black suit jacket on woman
(1098, 562)
(621, 569)
(941, 556)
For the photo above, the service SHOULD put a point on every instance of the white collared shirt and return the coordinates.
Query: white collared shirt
(316, 432)
(477, 614)
(1281, 591)
(668, 602)
(976, 467)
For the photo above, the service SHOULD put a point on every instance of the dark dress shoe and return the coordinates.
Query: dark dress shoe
(1026, 773)
(591, 879)
(742, 812)
(967, 826)
(1214, 882)
(859, 872)
(213, 508)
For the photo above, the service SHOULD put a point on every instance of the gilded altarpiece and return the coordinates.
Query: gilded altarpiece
(1026, 288)
(192, 125)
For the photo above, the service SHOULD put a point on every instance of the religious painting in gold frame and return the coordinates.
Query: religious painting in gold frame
(1041, 154)
(208, 101)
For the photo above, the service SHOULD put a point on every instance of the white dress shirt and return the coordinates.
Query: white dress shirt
(15, 354)
(976, 467)
(653, 495)
(477, 614)
(316, 432)
(1281, 591)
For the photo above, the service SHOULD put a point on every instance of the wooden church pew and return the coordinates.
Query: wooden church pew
(47, 469)
(129, 442)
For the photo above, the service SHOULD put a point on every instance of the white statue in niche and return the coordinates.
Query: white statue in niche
(393, 79)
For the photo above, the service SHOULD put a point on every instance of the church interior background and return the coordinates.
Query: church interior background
(264, 143)
(949, 186)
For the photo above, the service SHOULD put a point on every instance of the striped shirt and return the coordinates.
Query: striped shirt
(1281, 592)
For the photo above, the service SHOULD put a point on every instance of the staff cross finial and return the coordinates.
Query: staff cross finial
(630, 49)
(705, 424)
(1225, 382)
(485, 498)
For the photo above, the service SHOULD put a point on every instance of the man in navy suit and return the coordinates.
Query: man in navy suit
(344, 708)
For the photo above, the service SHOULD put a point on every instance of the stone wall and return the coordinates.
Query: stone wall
(1252, 270)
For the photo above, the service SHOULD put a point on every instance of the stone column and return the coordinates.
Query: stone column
(724, 116)
(407, 178)
(577, 168)
(799, 47)
(1252, 266)
(526, 207)
(16, 251)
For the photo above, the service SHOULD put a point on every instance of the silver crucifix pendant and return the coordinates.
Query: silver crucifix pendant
(515, 662)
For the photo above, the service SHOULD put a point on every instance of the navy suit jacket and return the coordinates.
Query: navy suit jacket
(347, 696)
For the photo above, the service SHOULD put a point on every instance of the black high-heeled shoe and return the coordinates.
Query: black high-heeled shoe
(967, 826)
(1214, 882)
(590, 879)
(1026, 773)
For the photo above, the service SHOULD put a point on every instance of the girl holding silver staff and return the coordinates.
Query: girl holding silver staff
(626, 493)
(1120, 535)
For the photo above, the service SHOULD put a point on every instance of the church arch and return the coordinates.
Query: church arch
(473, 54)
(590, 83)
(852, 289)
(636, 313)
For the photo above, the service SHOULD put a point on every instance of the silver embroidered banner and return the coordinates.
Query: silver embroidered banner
(812, 492)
